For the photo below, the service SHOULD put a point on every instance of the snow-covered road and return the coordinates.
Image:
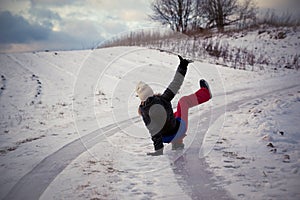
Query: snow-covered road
(70, 130)
(33, 184)
(191, 164)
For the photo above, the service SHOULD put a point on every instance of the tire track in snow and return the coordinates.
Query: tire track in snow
(189, 166)
(194, 170)
(19, 63)
(56, 66)
(34, 183)
(198, 180)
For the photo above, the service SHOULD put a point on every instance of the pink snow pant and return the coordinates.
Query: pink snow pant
(186, 102)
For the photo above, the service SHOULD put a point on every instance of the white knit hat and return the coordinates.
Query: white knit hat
(143, 91)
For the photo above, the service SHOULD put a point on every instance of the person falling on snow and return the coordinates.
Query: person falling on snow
(156, 110)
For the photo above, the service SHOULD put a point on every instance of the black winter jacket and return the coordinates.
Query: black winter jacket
(157, 110)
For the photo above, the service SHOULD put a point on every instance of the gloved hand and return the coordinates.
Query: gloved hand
(156, 153)
(184, 62)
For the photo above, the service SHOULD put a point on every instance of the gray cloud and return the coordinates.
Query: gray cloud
(42, 13)
(15, 29)
(66, 24)
(17, 34)
(55, 2)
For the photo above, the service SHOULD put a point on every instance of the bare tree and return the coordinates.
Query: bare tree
(176, 13)
(183, 15)
(219, 12)
(198, 20)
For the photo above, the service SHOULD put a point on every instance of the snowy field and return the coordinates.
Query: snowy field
(69, 129)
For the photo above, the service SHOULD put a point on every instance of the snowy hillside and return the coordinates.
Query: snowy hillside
(266, 48)
(69, 129)
(261, 48)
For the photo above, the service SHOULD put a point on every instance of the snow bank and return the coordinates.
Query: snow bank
(49, 99)
(259, 149)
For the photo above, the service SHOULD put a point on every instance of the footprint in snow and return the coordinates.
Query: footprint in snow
(3, 84)
(37, 96)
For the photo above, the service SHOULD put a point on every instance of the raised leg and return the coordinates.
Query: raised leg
(186, 102)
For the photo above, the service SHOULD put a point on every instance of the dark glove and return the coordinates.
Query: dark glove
(156, 153)
(184, 62)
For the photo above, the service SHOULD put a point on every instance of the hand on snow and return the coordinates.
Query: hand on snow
(156, 153)
(184, 62)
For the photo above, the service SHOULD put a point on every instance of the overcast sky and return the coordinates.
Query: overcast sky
(28, 25)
